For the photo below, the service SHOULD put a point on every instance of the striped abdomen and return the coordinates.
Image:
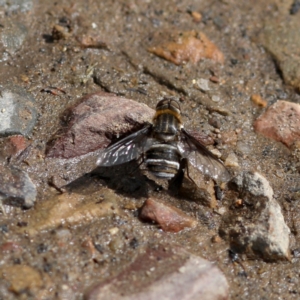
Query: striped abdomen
(163, 160)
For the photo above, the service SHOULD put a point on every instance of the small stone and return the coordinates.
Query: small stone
(216, 239)
(197, 17)
(216, 152)
(60, 32)
(232, 161)
(186, 46)
(257, 99)
(17, 5)
(295, 7)
(161, 273)
(116, 244)
(18, 113)
(16, 144)
(214, 79)
(21, 278)
(281, 122)
(203, 84)
(215, 98)
(96, 120)
(113, 230)
(13, 36)
(257, 228)
(16, 187)
(167, 216)
(96, 42)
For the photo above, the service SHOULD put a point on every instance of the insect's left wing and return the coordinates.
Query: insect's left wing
(126, 149)
(201, 158)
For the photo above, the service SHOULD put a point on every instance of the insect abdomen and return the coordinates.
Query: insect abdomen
(163, 160)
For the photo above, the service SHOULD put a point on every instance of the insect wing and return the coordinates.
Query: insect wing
(201, 158)
(126, 149)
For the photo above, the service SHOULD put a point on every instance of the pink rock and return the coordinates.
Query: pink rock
(281, 122)
(164, 273)
(167, 216)
(18, 143)
(97, 118)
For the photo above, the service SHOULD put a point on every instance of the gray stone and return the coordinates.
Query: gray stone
(280, 36)
(17, 5)
(257, 227)
(16, 187)
(17, 112)
(162, 273)
(12, 37)
(203, 84)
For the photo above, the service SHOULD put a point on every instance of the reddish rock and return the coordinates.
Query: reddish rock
(167, 216)
(281, 122)
(17, 143)
(164, 273)
(94, 121)
(187, 46)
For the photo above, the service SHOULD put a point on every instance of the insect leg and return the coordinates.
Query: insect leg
(142, 158)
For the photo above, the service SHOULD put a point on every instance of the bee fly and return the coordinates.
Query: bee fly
(165, 147)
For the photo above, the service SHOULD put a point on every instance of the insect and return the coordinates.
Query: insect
(165, 147)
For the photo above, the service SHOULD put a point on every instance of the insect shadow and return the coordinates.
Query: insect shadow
(126, 179)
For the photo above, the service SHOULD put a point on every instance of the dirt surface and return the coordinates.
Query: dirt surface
(59, 52)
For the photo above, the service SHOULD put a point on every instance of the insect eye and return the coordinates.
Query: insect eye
(168, 103)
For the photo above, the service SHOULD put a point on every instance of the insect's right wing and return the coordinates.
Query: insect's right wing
(126, 149)
(201, 158)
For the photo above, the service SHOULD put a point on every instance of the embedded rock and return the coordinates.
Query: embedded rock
(95, 121)
(256, 227)
(162, 273)
(281, 122)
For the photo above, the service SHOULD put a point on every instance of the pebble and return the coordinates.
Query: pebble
(18, 113)
(232, 161)
(215, 98)
(164, 273)
(197, 17)
(189, 46)
(113, 230)
(203, 84)
(17, 5)
(257, 99)
(12, 36)
(168, 217)
(97, 117)
(16, 187)
(258, 228)
(281, 122)
(21, 278)
(216, 152)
